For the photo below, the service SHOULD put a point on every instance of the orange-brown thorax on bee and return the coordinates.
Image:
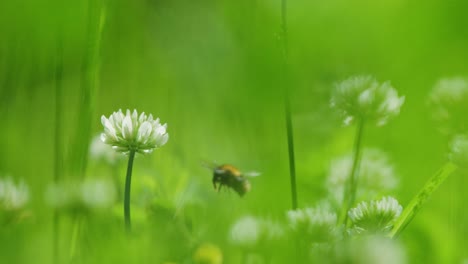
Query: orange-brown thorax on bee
(230, 176)
(231, 169)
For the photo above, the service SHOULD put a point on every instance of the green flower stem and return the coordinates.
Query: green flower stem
(351, 187)
(128, 183)
(418, 201)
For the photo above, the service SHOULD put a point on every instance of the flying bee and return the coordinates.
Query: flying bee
(231, 177)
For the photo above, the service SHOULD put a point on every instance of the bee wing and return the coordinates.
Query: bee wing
(252, 174)
(208, 164)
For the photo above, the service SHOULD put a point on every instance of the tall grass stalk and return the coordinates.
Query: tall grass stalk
(351, 186)
(89, 85)
(424, 194)
(75, 237)
(58, 139)
(287, 105)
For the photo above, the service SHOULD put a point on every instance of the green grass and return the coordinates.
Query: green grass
(214, 71)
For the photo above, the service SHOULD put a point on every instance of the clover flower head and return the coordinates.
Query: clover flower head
(317, 223)
(448, 100)
(377, 249)
(13, 196)
(459, 151)
(249, 231)
(246, 231)
(377, 175)
(85, 196)
(208, 253)
(363, 97)
(132, 132)
(375, 216)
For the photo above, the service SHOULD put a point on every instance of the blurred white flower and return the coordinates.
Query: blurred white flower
(13, 196)
(245, 232)
(362, 97)
(448, 100)
(376, 176)
(375, 216)
(131, 132)
(377, 250)
(317, 223)
(459, 151)
(100, 151)
(91, 194)
(249, 231)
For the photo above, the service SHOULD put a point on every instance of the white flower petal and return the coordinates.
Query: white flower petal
(127, 128)
(144, 131)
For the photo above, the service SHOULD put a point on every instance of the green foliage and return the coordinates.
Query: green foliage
(213, 70)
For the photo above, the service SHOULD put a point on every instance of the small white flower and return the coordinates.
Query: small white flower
(375, 216)
(459, 151)
(448, 100)
(362, 97)
(13, 196)
(377, 175)
(317, 223)
(91, 194)
(133, 132)
(250, 231)
(246, 231)
(101, 151)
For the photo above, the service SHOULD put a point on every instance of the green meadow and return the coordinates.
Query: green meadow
(351, 115)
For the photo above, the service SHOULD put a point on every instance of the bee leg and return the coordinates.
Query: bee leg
(219, 187)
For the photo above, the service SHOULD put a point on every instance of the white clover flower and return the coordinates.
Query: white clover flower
(377, 175)
(250, 231)
(98, 150)
(375, 216)
(448, 100)
(130, 132)
(13, 196)
(362, 97)
(459, 151)
(89, 195)
(377, 250)
(246, 231)
(317, 223)
(98, 194)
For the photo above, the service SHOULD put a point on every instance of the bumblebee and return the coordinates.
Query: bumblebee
(229, 176)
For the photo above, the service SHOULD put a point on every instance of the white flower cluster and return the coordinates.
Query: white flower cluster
(363, 97)
(13, 196)
(459, 151)
(132, 132)
(377, 175)
(317, 223)
(248, 231)
(448, 100)
(91, 194)
(375, 216)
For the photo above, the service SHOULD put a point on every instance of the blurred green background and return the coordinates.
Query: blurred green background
(213, 71)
